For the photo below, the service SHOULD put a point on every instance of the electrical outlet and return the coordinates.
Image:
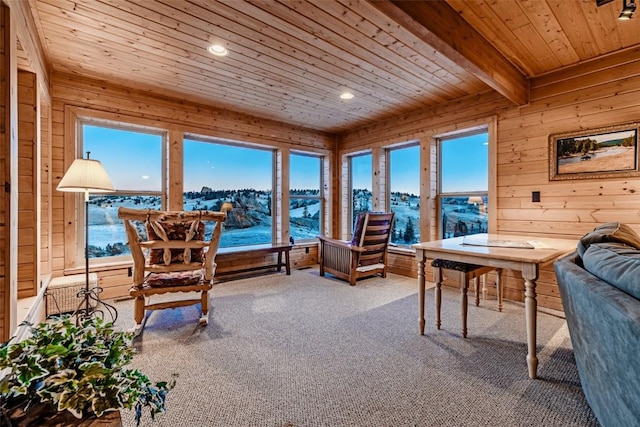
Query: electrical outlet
(535, 196)
(130, 271)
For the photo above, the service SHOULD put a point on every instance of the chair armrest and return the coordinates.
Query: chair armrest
(341, 243)
(335, 242)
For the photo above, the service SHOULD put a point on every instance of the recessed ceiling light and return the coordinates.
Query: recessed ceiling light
(346, 95)
(218, 50)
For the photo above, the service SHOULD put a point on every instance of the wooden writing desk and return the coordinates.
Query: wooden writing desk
(507, 253)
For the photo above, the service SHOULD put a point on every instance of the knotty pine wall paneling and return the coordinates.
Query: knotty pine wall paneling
(45, 190)
(594, 94)
(9, 171)
(75, 96)
(28, 185)
(174, 184)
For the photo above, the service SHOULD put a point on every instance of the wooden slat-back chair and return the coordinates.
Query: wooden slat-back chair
(365, 255)
(173, 256)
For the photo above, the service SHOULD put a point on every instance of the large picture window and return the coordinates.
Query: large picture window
(133, 160)
(305, 201)
(464, 177)
(361, 178)
(404, 194)
(215, 173)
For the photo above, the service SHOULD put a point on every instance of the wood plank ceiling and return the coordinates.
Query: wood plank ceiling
(290, 60)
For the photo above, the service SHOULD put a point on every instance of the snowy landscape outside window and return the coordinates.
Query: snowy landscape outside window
(215, 173)
(136, 176)
(305, 204)
(464, 177)
(404, 194)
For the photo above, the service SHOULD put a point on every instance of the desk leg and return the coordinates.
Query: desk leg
(530, 274)
(437, 273)
(421, 293)
(464, 286)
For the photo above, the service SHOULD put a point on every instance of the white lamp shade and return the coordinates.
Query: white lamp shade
(86, 175)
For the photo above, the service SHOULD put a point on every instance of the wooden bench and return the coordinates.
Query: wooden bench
(227, 256)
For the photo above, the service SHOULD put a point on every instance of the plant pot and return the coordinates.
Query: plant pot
(44, 415)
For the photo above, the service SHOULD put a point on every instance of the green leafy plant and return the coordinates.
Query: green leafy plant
(77, 368)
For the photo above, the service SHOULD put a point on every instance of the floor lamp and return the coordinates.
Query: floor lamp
(86, 176)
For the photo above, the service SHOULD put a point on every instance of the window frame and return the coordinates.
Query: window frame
(80, 205)
(440, 194)
(320, 195)
(387, 153)
(350, 214)
(240, 144)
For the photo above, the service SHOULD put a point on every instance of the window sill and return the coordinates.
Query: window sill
(400, 250)
(101, 266)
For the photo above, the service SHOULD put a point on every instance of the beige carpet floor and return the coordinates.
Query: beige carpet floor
(303, 350)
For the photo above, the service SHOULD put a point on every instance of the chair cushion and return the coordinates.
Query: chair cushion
(610, 232)
(174, 231)
(454, 265)
(175, 278)
(615, 263)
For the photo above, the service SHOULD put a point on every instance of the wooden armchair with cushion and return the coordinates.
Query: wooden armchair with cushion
(171, 253)
(365, 255)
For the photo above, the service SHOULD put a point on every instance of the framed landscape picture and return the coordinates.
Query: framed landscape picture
(595, 153)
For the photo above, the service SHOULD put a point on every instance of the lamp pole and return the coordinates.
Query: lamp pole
(85, 176)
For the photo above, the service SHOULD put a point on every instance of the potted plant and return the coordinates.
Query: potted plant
(79, 369)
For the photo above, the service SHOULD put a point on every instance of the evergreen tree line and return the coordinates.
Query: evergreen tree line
(407, 236)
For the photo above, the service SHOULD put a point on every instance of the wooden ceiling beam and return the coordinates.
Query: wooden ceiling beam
(443, 29)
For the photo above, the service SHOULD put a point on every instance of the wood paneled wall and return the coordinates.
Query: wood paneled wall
(594, 94)
(5, 153)
(45, 189)
(28, 174)
(101, 100)
(9, 172)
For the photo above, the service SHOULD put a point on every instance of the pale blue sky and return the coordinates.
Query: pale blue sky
(226, 167)
(133, 162)
(132, 159)
(465, 164)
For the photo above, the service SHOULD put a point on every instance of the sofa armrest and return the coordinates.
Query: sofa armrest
(604, 324)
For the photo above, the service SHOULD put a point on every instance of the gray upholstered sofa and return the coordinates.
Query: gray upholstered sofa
(600, 288)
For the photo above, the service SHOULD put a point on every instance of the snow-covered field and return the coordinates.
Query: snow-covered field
(105, 228)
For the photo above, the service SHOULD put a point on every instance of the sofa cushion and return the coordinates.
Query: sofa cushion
(610, 232)
(615, 263)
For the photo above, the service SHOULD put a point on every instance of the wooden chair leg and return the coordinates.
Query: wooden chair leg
(438, 294)
(476, 288)
(138, 314)
(204, 305)
(464, 285)
(499, 288)
(485, 291)
(352, 269)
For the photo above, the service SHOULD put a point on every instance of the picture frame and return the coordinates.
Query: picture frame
(606, 152)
